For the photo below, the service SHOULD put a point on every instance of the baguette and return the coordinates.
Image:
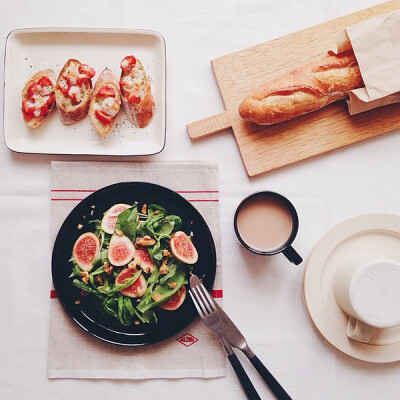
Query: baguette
(303, 90)
(38, 97)
(136, 92)
(73, 90)
(105, 102)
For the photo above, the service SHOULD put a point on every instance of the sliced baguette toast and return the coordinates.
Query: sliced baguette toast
(33, 103)
(105, 102)
(73, 91)
(136, 92)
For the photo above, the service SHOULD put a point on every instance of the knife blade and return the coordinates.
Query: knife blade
(232, 333)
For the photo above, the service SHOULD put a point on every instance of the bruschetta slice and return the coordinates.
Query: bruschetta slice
(105, 102)
(73, 90)
(136, 92)
(38, 97)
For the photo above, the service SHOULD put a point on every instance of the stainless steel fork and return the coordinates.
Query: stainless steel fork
(212, 319)
(215, 318)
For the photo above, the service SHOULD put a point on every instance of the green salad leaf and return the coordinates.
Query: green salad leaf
(127, 222)
(163, 289)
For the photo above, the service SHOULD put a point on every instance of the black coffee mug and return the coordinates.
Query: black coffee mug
(286, 248)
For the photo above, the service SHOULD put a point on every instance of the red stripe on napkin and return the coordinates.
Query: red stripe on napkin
(217, 293)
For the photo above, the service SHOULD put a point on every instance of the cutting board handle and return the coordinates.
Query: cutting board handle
(210, 125)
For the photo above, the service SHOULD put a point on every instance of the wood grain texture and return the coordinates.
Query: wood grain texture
(208, 126)
(264, 148)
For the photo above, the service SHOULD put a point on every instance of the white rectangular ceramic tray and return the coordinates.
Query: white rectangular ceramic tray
(30, 50)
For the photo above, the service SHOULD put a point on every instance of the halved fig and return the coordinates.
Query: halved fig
(175, 301)
(121, 250)
(182, 248)
(137, 288)
(110, 217)
(85, 250)
(143, 257)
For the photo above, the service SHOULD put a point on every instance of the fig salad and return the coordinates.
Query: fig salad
(134, 263)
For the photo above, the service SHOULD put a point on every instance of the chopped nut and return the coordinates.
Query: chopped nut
(156, 212)
(119, 233)
(146, 241)
(77, 302)
(144, 208)
(80, 226)
(133, 264)
(164, 268)
(108, 268)
(91, 212)
(136, 322)
(166, 253)
(135, 203)
(85, 277)
(99, 280)
(93, 206)
(172, 285)
(157, 296)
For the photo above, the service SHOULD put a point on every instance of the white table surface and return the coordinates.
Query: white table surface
(263, 295)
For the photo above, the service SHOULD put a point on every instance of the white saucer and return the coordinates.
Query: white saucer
(377, 233)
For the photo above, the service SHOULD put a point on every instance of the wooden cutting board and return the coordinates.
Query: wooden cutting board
(264, 148)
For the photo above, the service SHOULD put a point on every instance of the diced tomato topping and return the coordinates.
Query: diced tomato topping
(45, 81)
(51, 100)
(44, 110)
(106, 91)
(103, 118)
(65, 89)
(81, 81)
(128, 63)
(33, 89)
(27, 111)
(134, 99)
(84, 69)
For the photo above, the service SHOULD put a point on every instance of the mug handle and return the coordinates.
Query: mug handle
(292, 255)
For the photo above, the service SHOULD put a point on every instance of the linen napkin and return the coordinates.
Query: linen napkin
(194, 352)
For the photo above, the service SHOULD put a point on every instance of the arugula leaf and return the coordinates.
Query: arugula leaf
(171, 272)
(110, 305)
(127, 222)
(87, 288)
(179, 277)
(76, 271)
(149, 316)
(176, 220)
(165, 229)
(155, 207)
(123, 313)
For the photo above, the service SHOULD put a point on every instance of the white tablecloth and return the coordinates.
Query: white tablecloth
(263, 295)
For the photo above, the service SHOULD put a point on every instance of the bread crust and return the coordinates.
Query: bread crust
(303, 90)
(106, 78)
(70, 113)
(140, 114)
(36, 121)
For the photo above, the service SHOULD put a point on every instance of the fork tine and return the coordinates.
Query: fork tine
(195, 303)
(199, 301)
(209, 306)
(208, 297)
(203, 301)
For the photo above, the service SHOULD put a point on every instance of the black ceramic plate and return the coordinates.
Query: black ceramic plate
(86, 314)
